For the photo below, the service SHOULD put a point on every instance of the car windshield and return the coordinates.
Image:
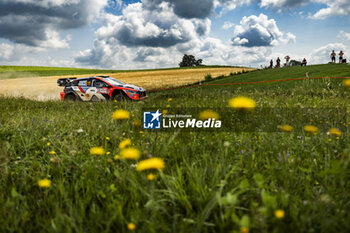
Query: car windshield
(113, 81)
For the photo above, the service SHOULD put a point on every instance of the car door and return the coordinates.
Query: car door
(102, 89)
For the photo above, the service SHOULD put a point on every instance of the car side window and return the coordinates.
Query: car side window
(100, 84)
(82, 82)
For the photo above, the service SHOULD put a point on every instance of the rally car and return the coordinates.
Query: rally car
(99, 88)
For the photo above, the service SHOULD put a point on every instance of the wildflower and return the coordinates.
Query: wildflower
(244, 230)
(334, 131)
(279, 214)
(311, 129)
(206, 114)
(242, 103)
(80, 131)
(55, 160)
(329, 140)
(108, 138)
(130, 153)
(337, 138)
(141, 132)
(121, 115)
(152, 163)
(168, 106)
(45, 183)
(116, 157)
(48, 144)
(346, 82)
(108, 153)
(164, 112)
(124, 143)
(137, 123)
(226, 144)
(97, 151)
(151, 176)
(170, 99)
(287, 128)
(131, 226)
(52, 152)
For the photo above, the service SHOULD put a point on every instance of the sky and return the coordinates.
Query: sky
(131, 34)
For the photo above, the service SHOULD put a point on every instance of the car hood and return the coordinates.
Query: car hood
(134, 87)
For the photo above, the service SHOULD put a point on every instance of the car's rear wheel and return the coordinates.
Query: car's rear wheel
(70, 97)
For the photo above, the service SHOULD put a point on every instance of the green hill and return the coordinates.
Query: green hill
(213, 181)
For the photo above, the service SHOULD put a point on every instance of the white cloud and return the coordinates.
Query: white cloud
(227, 25)
(257, 31)
(37, 23)
(334, 8)
(344, 35)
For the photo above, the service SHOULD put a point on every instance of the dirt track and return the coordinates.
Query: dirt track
(46, 88)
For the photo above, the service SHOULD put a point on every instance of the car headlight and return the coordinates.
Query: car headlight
(130, 93)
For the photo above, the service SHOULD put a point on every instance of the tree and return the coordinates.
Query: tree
(189, 61)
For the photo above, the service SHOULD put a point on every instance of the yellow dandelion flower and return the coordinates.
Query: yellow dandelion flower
(121, 115)
(124, 143)
(168, 106)
(130, 153)
(334, 131)
(97, 151)
(346, 82)
(108, 153)
(131, 226)
(311, 129)
(242, 103)
(337, 138)
(170, 99)
(244, 230)
(279, 214)
(287, 128)
(151, 176)
(108, 138)
(206, 114)
(45, 183)
(116, 157)
(52, 152)
(152, 163)
(137, 123)
(48, 144)
(164, 112)
(141, 132)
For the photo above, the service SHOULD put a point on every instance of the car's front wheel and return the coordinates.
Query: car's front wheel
(119, 98)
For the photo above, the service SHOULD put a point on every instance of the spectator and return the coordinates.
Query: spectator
(304, 62)
(271, 64)
(278, 62)
(287, 60)
(333, 56)
(341, 54)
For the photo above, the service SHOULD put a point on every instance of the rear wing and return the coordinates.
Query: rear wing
(64, 82)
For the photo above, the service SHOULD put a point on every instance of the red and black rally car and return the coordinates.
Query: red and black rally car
(99, 88)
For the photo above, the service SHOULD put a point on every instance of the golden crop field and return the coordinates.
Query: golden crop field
(46, 88)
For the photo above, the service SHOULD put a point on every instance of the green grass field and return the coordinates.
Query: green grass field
(216, 181)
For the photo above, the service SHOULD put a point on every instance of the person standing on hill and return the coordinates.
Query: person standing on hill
(341, 54)
(287, 60)
(271, 64)
(333, 56)
(278, 62)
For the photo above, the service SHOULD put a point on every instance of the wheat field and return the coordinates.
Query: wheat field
(46, 88)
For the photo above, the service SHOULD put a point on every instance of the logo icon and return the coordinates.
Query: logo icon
(151, 120)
